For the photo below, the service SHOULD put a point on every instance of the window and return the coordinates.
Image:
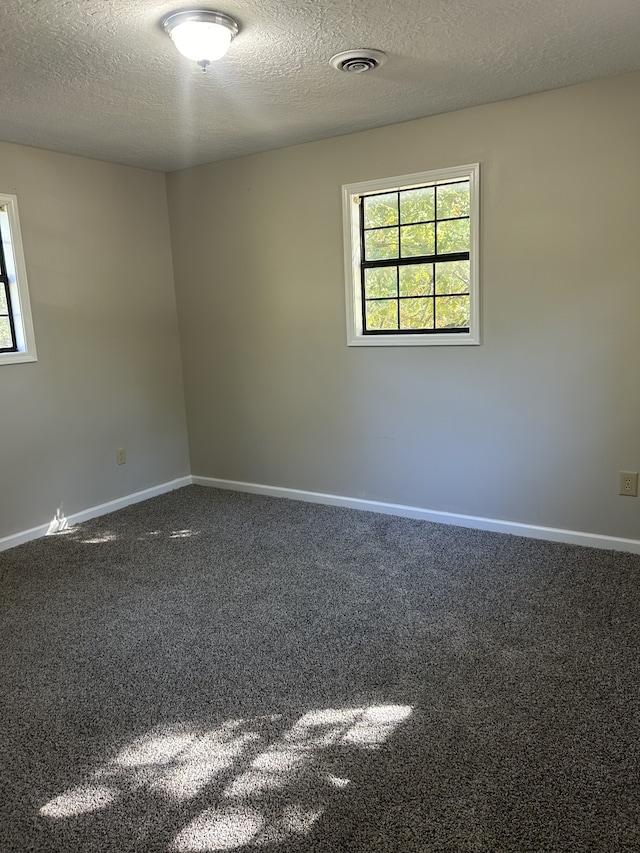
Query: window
(411, 259)
(16, 329)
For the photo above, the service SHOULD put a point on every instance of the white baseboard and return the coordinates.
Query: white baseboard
(95, 511)
(533, 531)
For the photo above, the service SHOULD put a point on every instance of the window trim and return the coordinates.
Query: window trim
(18, 287)
(351, 194)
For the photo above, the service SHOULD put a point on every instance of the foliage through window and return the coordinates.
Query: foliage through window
(412, 259)
(16, 329)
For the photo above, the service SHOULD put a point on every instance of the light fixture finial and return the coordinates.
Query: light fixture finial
(201, 34)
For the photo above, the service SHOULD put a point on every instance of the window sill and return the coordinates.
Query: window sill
(413, 340)
(17, 357)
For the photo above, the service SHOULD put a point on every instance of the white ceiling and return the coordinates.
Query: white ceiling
(99, 78)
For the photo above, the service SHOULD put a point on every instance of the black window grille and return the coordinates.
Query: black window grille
(415, 268)
(8, 341)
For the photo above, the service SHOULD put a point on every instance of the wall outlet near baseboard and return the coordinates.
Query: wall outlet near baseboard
(121, 457)
(629, 483)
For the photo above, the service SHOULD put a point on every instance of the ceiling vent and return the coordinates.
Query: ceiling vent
(357, 61)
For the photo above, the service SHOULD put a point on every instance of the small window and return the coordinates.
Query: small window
(16, 329)
(411, 259)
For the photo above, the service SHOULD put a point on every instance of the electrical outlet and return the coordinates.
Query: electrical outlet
(629, 483)
(121, 456)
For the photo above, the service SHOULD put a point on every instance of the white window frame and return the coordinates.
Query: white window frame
(351, 195)
(18, 288)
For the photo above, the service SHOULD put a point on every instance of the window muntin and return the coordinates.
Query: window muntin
(17, 343)
(8, 342)
(411, 247)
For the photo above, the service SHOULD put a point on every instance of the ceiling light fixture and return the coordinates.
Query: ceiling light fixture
(201, 34)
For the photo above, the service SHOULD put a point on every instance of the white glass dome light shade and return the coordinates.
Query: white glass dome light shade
(201, 41)
(201, 35)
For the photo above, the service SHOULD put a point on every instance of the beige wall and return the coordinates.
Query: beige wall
(532, 426)
(96, 242)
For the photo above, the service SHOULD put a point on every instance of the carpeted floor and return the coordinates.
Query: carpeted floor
(211, 671)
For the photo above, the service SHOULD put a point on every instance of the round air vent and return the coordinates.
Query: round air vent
(357, 61)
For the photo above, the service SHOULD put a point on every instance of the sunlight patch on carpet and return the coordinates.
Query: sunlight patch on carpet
(278, 774)
(81, 800)
(220, 829)
(273, 789)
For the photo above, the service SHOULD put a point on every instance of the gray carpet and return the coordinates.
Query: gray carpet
(213, 671)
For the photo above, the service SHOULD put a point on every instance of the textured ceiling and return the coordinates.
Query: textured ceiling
(100, 78)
